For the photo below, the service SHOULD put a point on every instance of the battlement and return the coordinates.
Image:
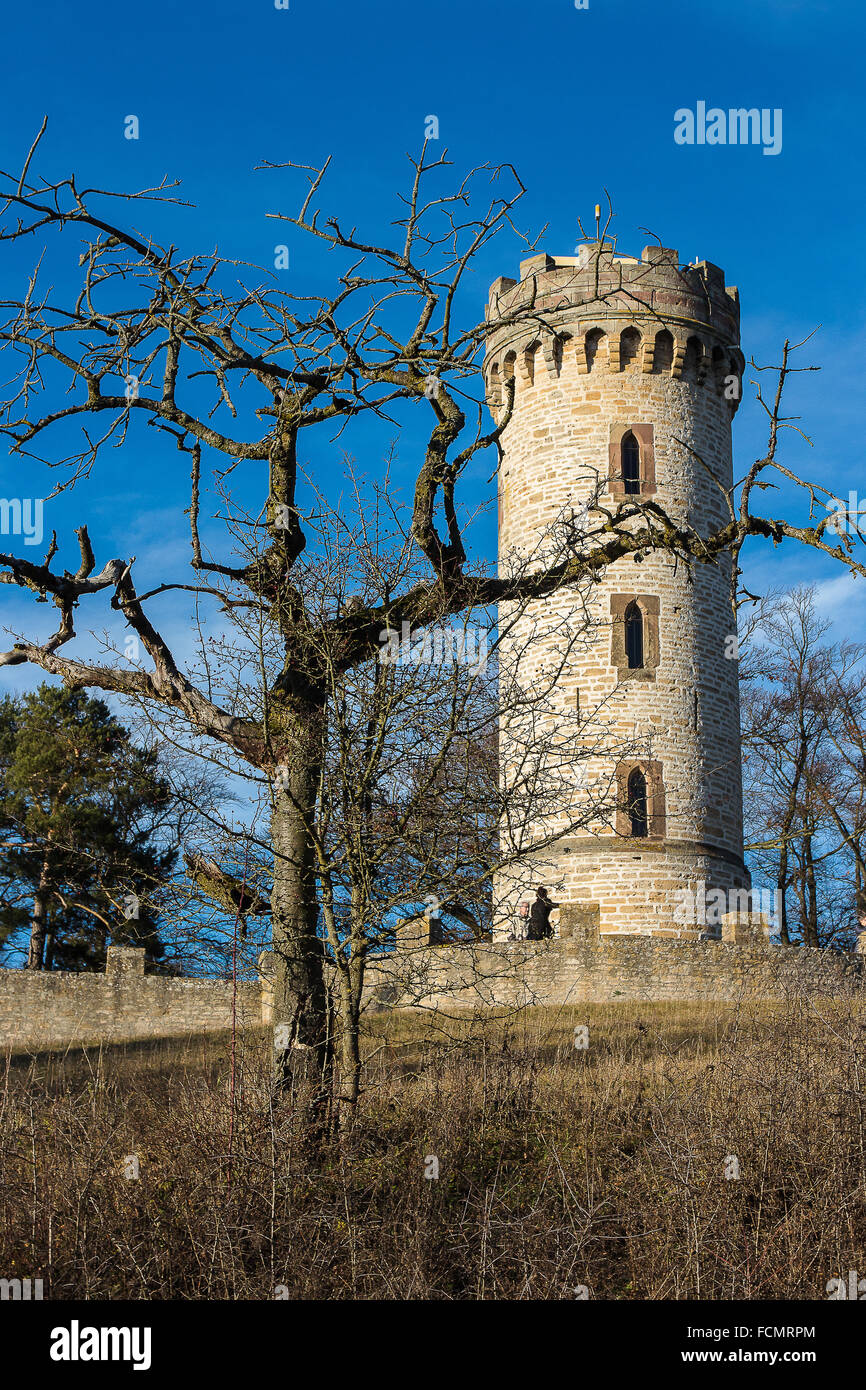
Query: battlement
(651, 314)
(656, 286)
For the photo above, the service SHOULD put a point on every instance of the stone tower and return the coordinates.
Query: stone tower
(627, 376)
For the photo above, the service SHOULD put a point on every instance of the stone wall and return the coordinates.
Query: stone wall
(40, 1009)
(57, 1009)
(582, 966)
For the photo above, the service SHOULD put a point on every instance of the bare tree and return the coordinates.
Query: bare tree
(803, 736)
(177, 342)
(415, 806)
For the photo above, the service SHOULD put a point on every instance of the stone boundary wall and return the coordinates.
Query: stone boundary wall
(47, 1009)
(42, 1010)
(583, 966)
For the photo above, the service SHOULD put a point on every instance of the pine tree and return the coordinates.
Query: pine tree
(81, 855)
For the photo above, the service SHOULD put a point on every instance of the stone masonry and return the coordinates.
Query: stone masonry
(606, 347)
(57, 1009)
(45, 1009)
(583, 966)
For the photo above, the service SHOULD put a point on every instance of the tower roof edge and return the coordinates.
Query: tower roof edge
(597, 281)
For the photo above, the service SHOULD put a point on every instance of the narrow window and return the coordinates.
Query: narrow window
(529, 359)
(629, 347)
(630, 464)
(637, 804)
(663, 357)
(593, 344)
(693, 358)
(634, 637)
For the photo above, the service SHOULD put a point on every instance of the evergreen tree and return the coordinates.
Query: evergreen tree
(82, 809)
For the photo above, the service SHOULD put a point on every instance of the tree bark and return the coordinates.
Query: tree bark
(302, 1042)
(39, 920)
(860, 881)
(351, 986)
(350, 1044)
(810, 895)
(782, 886)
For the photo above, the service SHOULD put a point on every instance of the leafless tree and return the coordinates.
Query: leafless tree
(181, 343)
(418, 803)
(803, 735)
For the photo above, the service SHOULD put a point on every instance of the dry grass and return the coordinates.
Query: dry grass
(558, 1168)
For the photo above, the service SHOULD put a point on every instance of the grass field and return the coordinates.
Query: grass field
(607, 1171)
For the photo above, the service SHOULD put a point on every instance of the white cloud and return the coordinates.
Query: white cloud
(841, 600)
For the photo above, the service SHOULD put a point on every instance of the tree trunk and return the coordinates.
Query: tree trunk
(302, 1041)
(782, 886)
(351, 984)
(39, 921)
(810, 916)
(350, 1052)
(860, 882)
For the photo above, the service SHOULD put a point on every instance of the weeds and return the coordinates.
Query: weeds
(611, 1169)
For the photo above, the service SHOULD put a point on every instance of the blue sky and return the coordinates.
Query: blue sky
(575, 99)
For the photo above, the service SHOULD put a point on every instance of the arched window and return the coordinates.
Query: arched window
(663, 356)
(634, 637)
(637, 804)
(530, 357)
(629, 347)
(693, 358)
(593, 342)
(630, 464)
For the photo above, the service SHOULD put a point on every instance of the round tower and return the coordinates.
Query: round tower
(627, 376)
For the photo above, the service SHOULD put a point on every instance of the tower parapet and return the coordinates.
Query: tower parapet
(654, 315)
